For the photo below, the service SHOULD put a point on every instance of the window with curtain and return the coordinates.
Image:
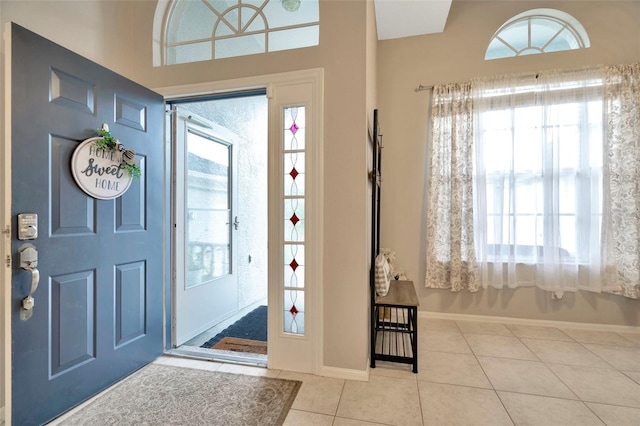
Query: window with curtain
(551, 162)
(538, 179)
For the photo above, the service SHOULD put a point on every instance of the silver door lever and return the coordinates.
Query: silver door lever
(29, 262)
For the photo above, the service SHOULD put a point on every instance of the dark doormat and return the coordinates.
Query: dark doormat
(252, 326)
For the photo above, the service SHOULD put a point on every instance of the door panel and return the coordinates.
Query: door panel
(73, 339)
(98, 307)
(72, 212)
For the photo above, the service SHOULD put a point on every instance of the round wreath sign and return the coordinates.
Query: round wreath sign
(102, 167)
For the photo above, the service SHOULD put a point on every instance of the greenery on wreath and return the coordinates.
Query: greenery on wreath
(109, 143)
(133, 170)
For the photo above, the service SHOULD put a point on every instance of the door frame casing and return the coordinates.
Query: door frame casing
(5, 223)
(315, 196)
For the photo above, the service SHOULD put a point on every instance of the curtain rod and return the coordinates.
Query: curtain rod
(420, 88)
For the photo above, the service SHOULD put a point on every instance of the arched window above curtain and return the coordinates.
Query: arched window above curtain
(537, 31)
(201, 30)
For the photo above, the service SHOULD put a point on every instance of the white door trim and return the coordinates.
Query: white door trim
(246, 83)
(314, 219)
(5, 223)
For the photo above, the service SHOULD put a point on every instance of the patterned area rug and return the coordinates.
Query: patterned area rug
(241, 345)
(165, 395)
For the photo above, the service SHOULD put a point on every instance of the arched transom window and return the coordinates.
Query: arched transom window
(537, 31)
(200, 30)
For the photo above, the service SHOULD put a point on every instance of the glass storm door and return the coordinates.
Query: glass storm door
(206, 290)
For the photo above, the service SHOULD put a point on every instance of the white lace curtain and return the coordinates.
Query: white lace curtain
(516, 194)
(451, 259)
(621, 216)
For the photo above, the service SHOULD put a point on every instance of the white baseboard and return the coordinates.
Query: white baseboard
(346, 373)
(525, 321)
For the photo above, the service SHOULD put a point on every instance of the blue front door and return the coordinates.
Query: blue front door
(98, 307)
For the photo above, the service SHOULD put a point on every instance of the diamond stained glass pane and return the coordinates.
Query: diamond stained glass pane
(294, 173)
(294, 251)
(294, 279)
(294, 297)
(294, 219)
(294, 187)
(294, 178)
(294, 325)
(291, 116)
(294, 265)
(294, 311)
(294, 128)
(297, 142)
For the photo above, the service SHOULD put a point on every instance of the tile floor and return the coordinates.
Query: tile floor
(480, 373)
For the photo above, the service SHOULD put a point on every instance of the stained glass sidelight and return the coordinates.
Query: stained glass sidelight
(294, 219)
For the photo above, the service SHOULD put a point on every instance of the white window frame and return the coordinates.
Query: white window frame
(164, 14)
(567, 22)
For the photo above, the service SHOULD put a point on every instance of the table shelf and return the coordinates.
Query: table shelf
(394, 325)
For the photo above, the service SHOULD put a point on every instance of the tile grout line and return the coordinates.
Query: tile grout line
(493, 388)
(419, 400)
(335, 413)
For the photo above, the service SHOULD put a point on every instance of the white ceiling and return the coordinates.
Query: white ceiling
(405, 18)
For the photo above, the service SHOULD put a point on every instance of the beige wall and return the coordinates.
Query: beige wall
(118, 35)
(371, 104)
(342, 54)
(457, 54)
(99, 30)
